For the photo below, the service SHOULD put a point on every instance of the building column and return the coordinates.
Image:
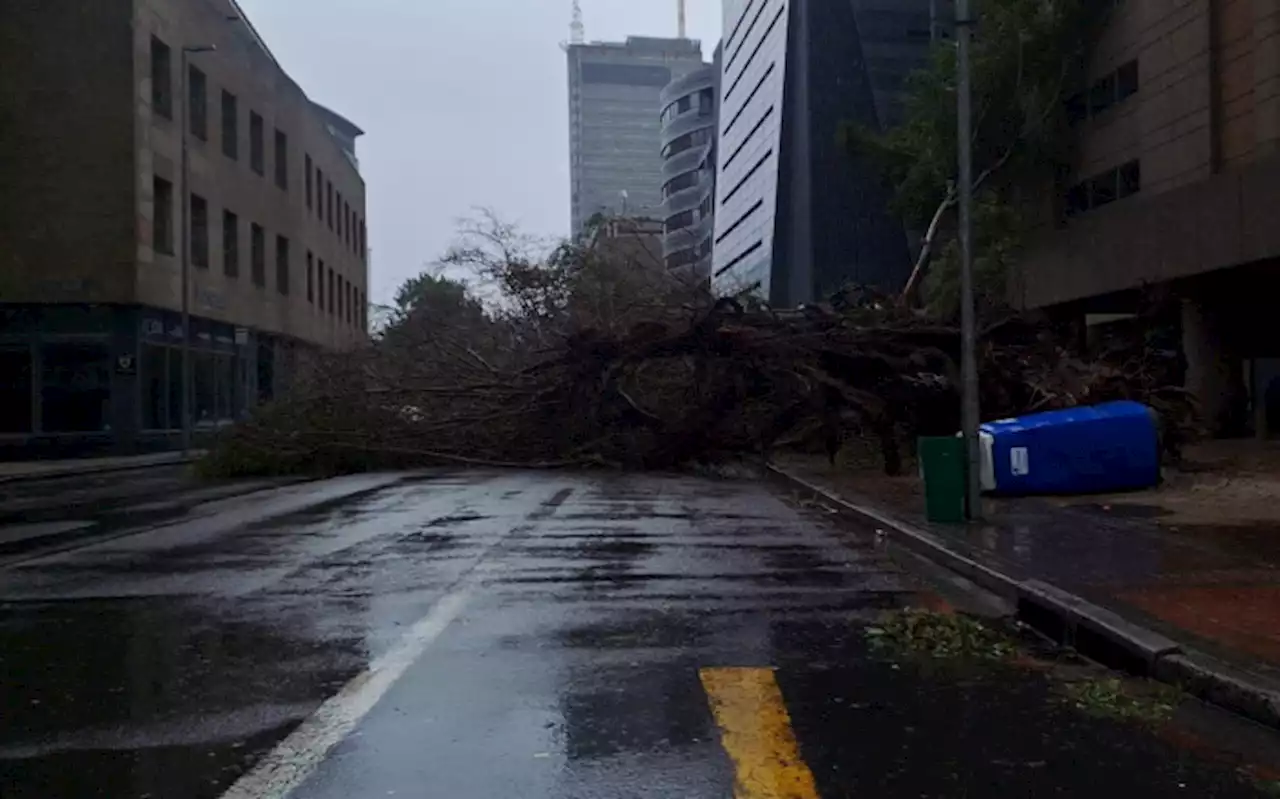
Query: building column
(1266, 68)
(1214, 373)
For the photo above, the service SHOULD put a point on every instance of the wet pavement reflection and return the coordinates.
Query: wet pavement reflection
(170, 664)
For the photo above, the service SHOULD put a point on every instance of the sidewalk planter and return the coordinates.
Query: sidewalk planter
(942, 467)
(1108, 447)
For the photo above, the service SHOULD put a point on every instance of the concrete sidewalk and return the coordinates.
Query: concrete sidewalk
(39, 470)
(1196, 607)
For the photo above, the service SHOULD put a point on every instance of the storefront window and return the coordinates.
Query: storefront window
(203, 380)
(174, 384)
(266, 370)
(155, 388)
(225, 366)
(15, 390)
(75, 387)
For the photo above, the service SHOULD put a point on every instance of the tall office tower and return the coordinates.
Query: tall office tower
(615, 122)
(795, 212)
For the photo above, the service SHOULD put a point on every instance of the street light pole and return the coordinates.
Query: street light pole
(184, 176)
(970, 413)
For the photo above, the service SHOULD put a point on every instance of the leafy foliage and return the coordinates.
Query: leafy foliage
(1112, 698)
(998, 229)
(939, 636)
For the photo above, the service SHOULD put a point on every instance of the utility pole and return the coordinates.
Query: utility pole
(969, 415)
(185, 260)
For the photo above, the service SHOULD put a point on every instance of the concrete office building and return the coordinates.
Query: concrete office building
(689, 128)
(796, 214)
(1173, 196)
(615, 127)
(91, 233)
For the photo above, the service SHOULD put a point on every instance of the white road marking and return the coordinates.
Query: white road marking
(288, 765)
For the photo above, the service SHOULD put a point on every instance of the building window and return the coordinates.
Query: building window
(230, 125)
(688, 142)
(310, 181)
(364, 241)
(282, 160)
(1102, 190)
(230, 244)
(199, 231)
(258, 254)
(678, 222)
(75, 389)
(328, 194)
(337, 203)
(332, 292)
(257, 159)
(1102, 95)
(162, 223)
(198, 103)
(1109, 90)
(1114, 184)
(311, 278)
(282, 264)
(679, 183)
(319, 194)
(15, 389)
(161, 78)
(1126, 81)
(320, 283)
(1129, 179)
(342, 297)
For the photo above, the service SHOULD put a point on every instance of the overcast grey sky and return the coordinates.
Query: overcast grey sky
(463, 103)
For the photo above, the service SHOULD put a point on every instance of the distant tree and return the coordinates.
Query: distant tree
(438, 297)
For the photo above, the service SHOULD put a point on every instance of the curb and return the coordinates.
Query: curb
(105, 468)
(1100, 634)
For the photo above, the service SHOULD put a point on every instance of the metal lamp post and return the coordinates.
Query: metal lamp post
(969, 411)
(185, 263)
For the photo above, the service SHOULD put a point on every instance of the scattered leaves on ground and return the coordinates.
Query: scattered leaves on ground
(939, 636)
(1146, 702)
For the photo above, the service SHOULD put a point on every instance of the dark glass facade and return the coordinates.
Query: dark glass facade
(797, 214)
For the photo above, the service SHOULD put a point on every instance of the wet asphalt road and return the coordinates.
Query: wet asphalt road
(534, 635)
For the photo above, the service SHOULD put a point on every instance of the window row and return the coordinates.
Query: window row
(197, 105)
(332, 208)
(1109, 90)
(344, 297)
(332, 292)
(679, 183)
(687, 142)
(706, 105)
(342, 219)
(1114, 184)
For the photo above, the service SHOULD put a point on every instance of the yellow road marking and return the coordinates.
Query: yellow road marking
(756, 732)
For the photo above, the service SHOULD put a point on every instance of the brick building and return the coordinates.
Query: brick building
(1176, 181)
(92, 105)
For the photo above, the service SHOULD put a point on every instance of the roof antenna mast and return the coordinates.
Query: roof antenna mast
(680, 16)
(577, 31)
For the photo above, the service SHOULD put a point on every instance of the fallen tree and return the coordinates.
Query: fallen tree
(682, 384)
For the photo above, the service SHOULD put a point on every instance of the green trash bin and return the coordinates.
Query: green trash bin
(942, 466)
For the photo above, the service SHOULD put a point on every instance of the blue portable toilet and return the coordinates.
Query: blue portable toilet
(1109, 447)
